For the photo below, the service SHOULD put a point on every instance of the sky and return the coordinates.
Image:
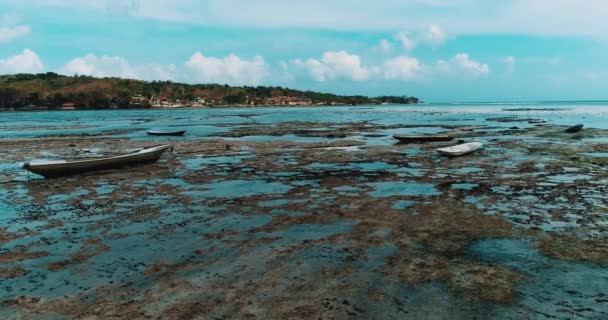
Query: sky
(437, 50)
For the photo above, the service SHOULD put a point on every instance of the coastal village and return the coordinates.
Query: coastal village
(200, 102)
(161, 102)
(139, 101)
(51, 91)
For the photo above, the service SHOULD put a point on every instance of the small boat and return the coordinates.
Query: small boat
(422, 138)
(461, 149)
(575, 128)
(536, 121)
(166, 133)
(57, 168)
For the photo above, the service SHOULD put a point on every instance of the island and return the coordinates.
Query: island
(52, 91)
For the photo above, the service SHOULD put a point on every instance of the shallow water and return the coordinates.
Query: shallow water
(204, 122)
(315, 204)
(397, 188)
(552, 287)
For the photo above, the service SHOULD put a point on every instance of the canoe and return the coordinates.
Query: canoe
(575, 128)
(461, 149)
(536, 121)
(422, 138)
(57, 168)
(166, 133)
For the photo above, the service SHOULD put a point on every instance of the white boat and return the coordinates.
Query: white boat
(461, 149)
(58, 168)
(166, 133)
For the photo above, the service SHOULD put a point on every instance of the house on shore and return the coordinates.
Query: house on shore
(198, 102)
(288, 101)
(68, 106)
(160, 102)
(138, 101)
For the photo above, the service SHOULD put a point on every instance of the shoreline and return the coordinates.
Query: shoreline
(217, 107)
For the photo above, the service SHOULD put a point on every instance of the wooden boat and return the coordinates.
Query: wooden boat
(536, 121)
(422, 138)
(460, 150)
(166, 133)
(575, 128)
(57, 168)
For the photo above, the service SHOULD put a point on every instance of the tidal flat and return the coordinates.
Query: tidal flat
(308, 213)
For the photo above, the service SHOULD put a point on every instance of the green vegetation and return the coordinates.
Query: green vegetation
(52, 91)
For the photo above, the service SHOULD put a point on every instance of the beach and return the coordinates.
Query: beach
(306, 213)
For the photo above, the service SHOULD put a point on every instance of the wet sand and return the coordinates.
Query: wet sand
(302, 220)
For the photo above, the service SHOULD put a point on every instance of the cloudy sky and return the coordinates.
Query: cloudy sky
(439, 50)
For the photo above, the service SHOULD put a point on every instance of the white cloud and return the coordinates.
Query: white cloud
(104, 66)
(385, 45)
(461, 64)
(234, 70)
(510, 63)
(285, 74)
(157, 71)
(434, 35)
(341, 65)
(406, 42)
(114, 66)
(316, 68)
(229, 70)
(8, 34)
(401, 68)
(10, 19)
(26, 62)
(346, 65)
(335, 65)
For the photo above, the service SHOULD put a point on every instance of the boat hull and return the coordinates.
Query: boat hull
(53, 169)
(536, 121)
(422, 138)
(574, 129)
(172, 134)
(460, 150)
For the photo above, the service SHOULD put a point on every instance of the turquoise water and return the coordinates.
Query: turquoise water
(398, 188)
(465, 186)
(240, 188)
(596, 154)
(555, 291)
(174, 218)
(206, 122)
(403, 204)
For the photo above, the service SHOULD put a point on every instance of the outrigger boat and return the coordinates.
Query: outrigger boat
(57, 168)
(536, 121)
(422, 138)
(166, 133)
(575, 129)
(460, 150)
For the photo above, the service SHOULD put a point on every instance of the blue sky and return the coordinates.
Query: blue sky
(438, 50)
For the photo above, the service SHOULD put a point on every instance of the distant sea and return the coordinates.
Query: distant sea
(204, 122)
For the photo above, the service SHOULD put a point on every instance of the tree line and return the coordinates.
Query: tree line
(51, 90)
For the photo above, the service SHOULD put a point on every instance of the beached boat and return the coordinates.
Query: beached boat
(536, 121)
(461, 149)
(422, 138)
(575, 128)
(166, 133)
(58, 168)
